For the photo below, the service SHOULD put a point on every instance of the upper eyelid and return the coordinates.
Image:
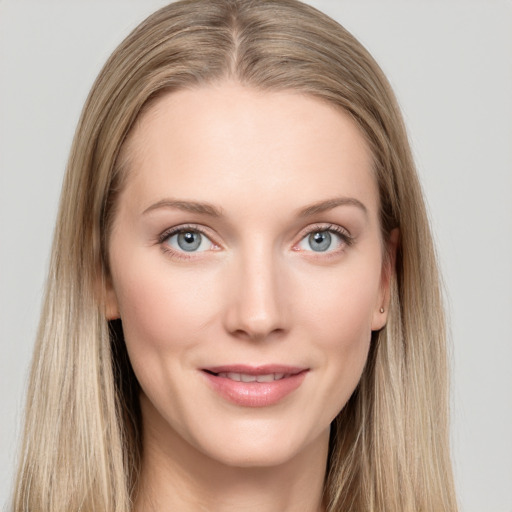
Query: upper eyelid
(324, 226)
(181, 228)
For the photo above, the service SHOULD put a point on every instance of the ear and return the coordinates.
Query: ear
(380, 314)
(106, 296)
(110, 301)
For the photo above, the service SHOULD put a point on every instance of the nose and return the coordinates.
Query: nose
(256, 307)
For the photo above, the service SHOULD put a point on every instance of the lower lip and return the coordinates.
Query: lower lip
(255, 394)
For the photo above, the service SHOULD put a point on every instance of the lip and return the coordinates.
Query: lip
(255, 394)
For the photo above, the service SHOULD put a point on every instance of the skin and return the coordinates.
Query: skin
(256, 292)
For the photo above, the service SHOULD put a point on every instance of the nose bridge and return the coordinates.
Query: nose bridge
(256, 308)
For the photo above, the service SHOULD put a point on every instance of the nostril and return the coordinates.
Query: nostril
(258, 333)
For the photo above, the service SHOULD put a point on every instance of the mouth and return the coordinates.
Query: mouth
(255, 386)
(246, 377)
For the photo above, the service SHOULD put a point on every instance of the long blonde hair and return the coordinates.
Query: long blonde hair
(389, 445)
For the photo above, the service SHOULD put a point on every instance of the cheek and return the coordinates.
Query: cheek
(341, 303)
(339, 320)
(162, 311)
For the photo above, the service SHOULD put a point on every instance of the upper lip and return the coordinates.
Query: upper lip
(256, 370)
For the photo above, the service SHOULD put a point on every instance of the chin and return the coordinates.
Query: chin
(255, 456)
(265, 447)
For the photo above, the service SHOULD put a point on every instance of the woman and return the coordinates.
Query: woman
(243, 307)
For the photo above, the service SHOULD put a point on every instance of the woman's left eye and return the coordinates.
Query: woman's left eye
(323, 240)
(188, 240)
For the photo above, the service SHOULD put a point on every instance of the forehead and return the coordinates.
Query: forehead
(223, 141)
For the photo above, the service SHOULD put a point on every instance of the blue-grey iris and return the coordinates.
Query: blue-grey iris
(189, 240)
(320, 241)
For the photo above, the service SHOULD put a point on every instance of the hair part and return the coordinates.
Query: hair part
(389, 446)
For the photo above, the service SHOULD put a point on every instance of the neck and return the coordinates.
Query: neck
(177, 476)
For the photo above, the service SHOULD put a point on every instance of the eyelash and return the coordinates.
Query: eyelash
(346, 239)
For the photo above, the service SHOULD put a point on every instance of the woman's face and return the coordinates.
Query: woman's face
(247, 269)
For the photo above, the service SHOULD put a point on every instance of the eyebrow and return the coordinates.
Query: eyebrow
(329, 204)
(213, 211)
(187, 206)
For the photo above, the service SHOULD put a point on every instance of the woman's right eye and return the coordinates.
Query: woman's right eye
(188, 240)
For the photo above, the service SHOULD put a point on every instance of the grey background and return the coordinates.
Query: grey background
(450, 63)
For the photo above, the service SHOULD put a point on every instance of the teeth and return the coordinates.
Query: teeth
(244, 377)
(265, 378)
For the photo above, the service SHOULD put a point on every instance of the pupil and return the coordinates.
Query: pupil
(189, 237)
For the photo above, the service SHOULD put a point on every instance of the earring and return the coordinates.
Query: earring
(381, 310)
